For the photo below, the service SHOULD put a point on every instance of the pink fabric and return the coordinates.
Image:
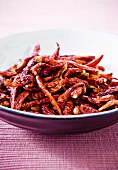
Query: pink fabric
(24, 15)
(22, 149)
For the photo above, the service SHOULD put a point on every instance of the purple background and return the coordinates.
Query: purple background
(22, 149)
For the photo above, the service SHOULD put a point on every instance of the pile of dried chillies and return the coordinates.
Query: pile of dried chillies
(58, 85)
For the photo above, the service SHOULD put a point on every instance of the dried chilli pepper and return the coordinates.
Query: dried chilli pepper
(68, 110)
(58, 85)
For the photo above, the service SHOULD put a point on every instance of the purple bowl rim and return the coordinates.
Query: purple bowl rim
(34, 115)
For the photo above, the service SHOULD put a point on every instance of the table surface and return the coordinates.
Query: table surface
(23, 149)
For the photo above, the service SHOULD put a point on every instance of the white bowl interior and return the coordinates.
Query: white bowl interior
(80, 42)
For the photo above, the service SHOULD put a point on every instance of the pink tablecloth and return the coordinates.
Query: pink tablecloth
(22, 149)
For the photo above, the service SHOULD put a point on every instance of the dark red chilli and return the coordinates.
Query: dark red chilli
(58, 85)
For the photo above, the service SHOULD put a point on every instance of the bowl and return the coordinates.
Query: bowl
(80, 42)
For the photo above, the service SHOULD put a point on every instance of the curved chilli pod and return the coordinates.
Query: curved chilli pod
(66, 95)
(48, 94)
(95, 61)
(77, 92)
(109, 104)
(58, 87)
(56, 54)
(20, 99)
